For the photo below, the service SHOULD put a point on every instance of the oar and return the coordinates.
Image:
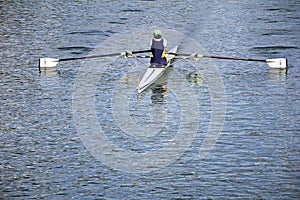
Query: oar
(52, 62)
(273, 63)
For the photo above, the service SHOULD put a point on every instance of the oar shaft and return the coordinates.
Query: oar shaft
(279, 63)
(104, 55)
(86, 57)
(231, 58)
(218, 57)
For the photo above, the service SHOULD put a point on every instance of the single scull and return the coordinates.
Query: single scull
(154, 72)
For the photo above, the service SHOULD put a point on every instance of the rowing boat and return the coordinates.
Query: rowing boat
(154, 72)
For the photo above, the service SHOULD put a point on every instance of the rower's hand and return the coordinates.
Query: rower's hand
(196, 56)
(126, 53)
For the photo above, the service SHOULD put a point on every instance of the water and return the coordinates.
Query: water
(44, 154)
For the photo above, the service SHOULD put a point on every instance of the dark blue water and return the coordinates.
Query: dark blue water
(220, 130)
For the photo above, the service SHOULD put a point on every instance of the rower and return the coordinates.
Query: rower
(158, 48)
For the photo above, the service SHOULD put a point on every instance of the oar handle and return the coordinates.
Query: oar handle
(142, 51)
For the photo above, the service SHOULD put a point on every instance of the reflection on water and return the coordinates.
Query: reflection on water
(48, 70)
(279, 74)
(196, 79)
(158, 93)
(160, 88)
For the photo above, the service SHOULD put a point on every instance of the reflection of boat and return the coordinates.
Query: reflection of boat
(154, 72)
(158, 93)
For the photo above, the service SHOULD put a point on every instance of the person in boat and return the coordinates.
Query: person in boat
(158, 49)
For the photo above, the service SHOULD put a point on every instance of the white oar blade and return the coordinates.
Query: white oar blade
(48, 62)
(280, 63)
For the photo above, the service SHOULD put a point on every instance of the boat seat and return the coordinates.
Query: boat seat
(157, 66)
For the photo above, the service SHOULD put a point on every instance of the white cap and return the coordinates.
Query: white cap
(157, 34)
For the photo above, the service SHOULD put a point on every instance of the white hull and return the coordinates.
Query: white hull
(154, 73)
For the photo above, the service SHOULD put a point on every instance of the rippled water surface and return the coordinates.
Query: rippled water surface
(211, 129)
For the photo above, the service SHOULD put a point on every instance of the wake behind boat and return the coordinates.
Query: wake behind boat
(154, 72)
